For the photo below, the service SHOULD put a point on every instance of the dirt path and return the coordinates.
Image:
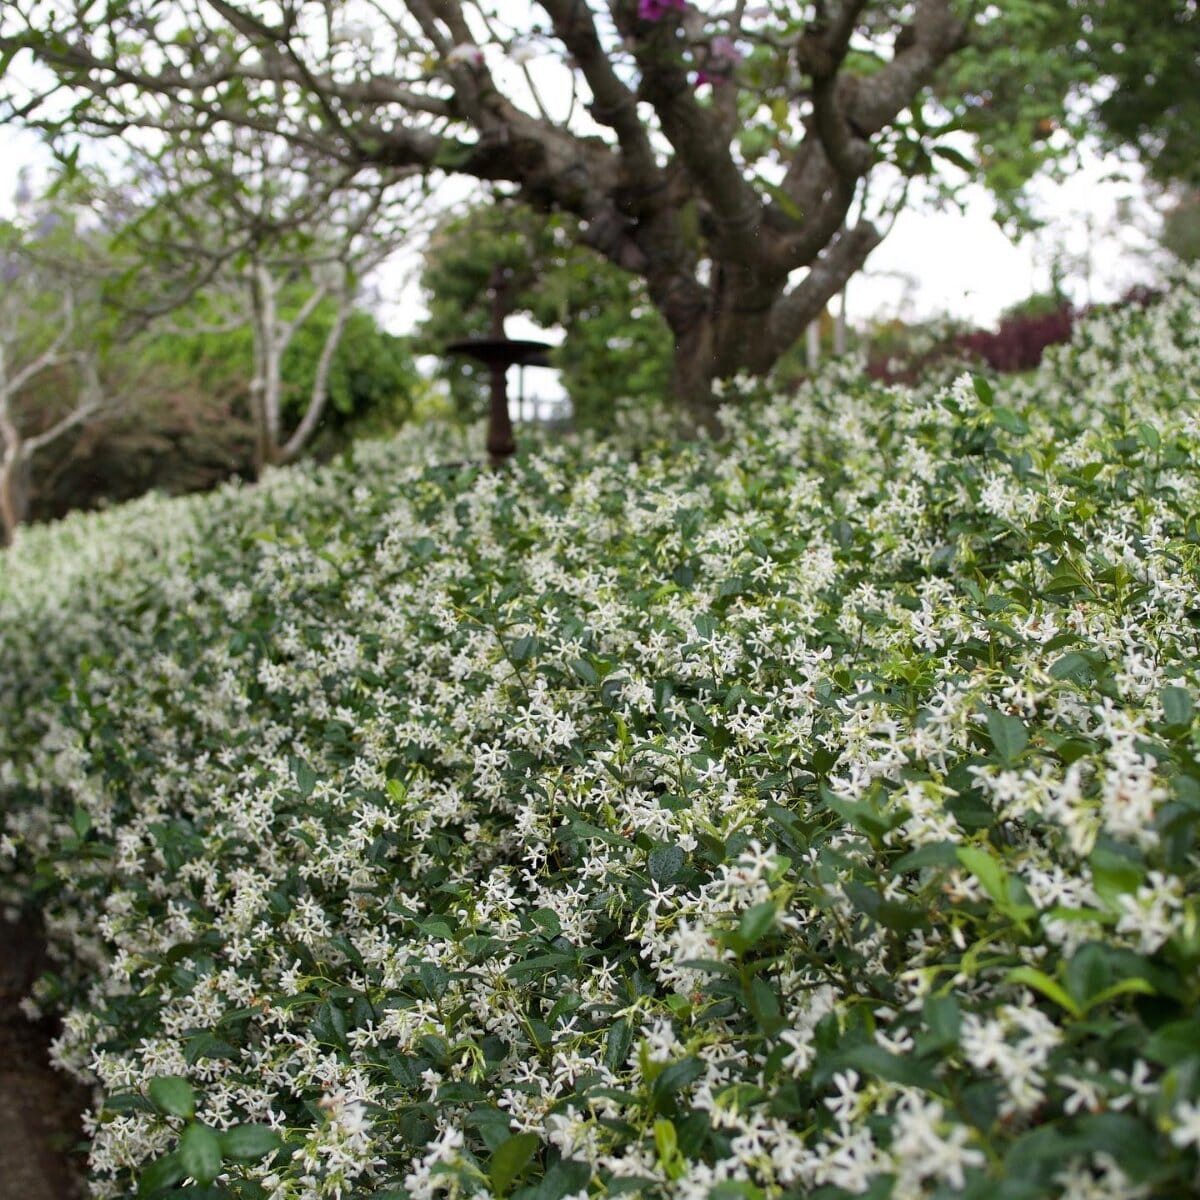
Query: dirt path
(39, 1107)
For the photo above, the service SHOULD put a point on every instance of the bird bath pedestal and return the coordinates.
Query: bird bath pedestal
(498, 353)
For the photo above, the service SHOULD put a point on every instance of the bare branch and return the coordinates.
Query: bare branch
(92, 402)
(827, 276)
(936, 33)
(54, 354)
(613, 104)
(320, 388)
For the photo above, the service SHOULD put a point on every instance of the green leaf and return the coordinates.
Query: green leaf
(1114, 876)
(756, 923)
(524, 648)
(1173, 1042)
(81, 822)
(161, 1174)
(547, 921)
(1050, 988)
(200, 1153)
(987, 870)
(733, 1189)
(1088, 973)
(764, 1004)
(173, 1094)
(125, 1102)
(248, 1143)
(897, 1068)
(492, 1124)
(677, 1075)
(510, 1159)
(665, 864)
(666, 1141)
(584, 670)
(1135, 985)
(934, 854)
(1177, 706)
(306, 779)
(204, 1045)
(943, 1019)
(1072, 665)
(956, 157)
(1008, 735)
(1009, 420)
(564, 1177)
(618, 1044)
(434, 979)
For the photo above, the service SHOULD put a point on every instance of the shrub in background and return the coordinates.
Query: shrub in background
(1018, 343)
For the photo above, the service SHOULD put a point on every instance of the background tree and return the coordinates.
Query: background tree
(1149, 55)
(371, 381)
(246, 234)
(743, 161)
(739, 245)
(53, 329)
(1042, 78)
(1180, 234)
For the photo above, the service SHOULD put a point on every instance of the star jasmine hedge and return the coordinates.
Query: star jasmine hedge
(814, 815)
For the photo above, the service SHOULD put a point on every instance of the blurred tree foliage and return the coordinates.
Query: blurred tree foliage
(372, 383)
(1181, 227)
(1150, 50)
(617, 346)
(1039, 76)
(184, 425)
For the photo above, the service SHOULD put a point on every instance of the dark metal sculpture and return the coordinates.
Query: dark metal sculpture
(498, 353)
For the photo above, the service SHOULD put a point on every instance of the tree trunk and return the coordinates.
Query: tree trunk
(258, 418)
(13, 496)
(500, 441)
(12, 506)
(693, 372)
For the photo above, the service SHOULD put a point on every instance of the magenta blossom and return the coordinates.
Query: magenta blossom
(655, 10)
(722, 49)
(722, 57)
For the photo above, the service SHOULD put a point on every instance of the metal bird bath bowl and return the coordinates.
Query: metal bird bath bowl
(503, 352)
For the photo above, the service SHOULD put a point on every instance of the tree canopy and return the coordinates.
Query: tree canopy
(741, 160)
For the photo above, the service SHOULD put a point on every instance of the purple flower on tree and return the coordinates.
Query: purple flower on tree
(722, 57)
(655, 10)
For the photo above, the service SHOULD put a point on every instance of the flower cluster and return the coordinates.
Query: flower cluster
(719, 62)
(813, 813)
(655, 10)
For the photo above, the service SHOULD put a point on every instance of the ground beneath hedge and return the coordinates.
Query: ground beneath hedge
(40, 1134)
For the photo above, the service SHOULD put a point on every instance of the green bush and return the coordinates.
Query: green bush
(810, 816)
